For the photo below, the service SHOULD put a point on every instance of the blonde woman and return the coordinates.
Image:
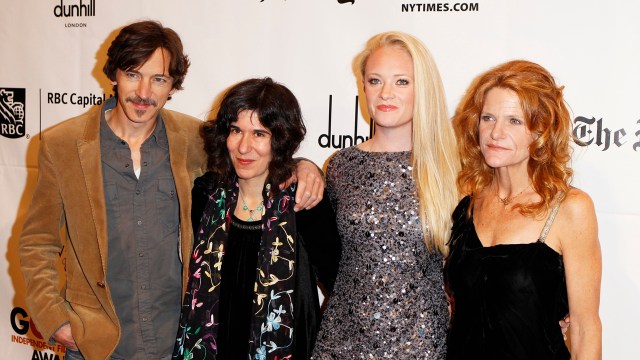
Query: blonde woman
(393, 197)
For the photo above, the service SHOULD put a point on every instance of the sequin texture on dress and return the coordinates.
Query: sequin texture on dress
(389, 299)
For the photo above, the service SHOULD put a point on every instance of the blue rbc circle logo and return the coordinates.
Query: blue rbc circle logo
(12, 112)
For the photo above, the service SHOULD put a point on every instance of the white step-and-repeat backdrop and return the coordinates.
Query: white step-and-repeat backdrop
(52, 52)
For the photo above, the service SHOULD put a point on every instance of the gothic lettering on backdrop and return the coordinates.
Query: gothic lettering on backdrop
(592, 131)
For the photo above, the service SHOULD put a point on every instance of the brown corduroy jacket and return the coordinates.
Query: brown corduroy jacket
(69, 196)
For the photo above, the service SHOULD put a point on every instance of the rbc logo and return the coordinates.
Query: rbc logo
(12, 115)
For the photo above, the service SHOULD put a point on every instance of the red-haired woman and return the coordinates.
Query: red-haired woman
(524, 248)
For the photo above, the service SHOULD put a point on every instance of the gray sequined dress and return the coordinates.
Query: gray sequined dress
(389, 299)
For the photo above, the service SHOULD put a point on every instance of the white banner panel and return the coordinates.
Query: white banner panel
(51, 69)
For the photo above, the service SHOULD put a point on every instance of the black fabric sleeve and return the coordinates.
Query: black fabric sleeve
(199, 198)
(460, 218)
(319, 232)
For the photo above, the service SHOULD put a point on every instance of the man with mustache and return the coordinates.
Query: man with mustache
(117, 182)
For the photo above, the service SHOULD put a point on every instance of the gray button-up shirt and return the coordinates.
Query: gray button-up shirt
(143, 265)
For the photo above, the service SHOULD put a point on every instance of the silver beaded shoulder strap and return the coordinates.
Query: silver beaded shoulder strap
(552, 216)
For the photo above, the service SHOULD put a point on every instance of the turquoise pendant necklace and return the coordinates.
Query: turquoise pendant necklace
(251, 211)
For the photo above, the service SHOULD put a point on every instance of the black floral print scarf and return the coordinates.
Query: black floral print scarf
(272, 323)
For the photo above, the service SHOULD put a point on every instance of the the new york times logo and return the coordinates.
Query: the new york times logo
(12, 117)
(592, 131)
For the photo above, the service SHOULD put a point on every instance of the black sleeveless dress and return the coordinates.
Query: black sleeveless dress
(506, 299)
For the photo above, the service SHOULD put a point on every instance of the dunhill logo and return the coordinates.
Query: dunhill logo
(82, 9)
(342, 141)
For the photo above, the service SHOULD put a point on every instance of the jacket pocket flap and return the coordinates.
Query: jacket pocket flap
(82, 298)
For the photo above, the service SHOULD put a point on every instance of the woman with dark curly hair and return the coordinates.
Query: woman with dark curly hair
(524, 248)
(255, 263)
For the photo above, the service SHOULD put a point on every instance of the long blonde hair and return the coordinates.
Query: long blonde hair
(434, 157)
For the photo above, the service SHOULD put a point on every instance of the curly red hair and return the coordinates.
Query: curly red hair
(546, 116)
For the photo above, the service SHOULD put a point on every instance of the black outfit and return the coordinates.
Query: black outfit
(506, 299)
(317, 259)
